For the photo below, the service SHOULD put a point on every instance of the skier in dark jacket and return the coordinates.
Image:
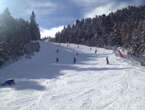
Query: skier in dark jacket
(95, 51)
(57, 59)
(57, 50)
(90, 48)
(74, 60)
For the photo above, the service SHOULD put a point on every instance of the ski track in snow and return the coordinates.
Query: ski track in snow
(90, 84)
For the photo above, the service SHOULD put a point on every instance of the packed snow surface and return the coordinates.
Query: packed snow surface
(90, 84)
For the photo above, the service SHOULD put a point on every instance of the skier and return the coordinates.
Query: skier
(95, 51)
(57, 59)
(121, 55)
(90, 48)
(107, 60)
(74, 60)
(57, 50)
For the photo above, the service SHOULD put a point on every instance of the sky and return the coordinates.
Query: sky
(52, 15)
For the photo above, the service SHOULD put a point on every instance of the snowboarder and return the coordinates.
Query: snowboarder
(107, 60)
(74, 60)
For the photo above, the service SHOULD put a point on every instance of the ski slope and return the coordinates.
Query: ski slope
(90, 84)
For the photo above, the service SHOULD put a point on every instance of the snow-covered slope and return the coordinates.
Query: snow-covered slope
(90, 84)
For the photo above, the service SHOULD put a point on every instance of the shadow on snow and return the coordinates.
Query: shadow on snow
(47, 68)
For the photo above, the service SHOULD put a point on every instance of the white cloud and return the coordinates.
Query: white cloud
(86, 3)
(92, 8)
(50, 32)
(98, 11)
(106, 9)
(42, 4)
(41, 8)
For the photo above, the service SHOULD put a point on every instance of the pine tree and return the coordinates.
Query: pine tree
(35, 32)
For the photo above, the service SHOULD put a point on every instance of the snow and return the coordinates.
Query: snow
(90, 84)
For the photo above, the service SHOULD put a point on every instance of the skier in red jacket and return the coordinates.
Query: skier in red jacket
(107, 60)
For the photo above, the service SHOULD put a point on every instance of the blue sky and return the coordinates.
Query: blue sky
(56, 13)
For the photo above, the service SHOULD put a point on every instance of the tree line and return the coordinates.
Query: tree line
(15, 34)
(125, 28)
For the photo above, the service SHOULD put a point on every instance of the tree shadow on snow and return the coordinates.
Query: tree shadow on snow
(47, 68)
